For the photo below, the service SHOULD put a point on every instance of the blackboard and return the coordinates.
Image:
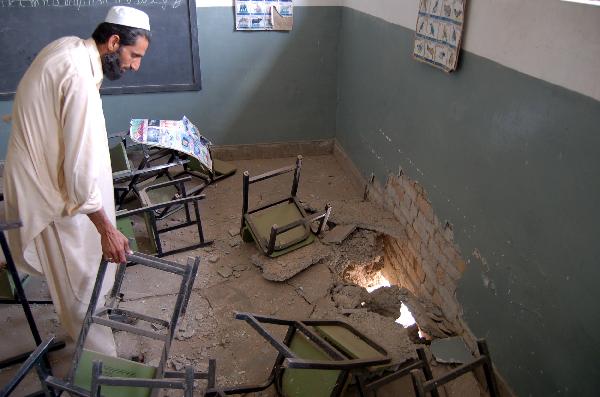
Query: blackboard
(172, 62)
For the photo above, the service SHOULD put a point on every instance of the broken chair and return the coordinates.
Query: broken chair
(38, 360)
(129, 181)
(316, 357)
(280, 226)
(14, 293)
(323, 358)
(423, 386)
(91, 370)
(154, 211)
(130, 387)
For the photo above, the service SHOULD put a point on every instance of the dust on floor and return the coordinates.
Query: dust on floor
(235, 276)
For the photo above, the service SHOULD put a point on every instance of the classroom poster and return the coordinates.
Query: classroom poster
(180, 135)
(438, 32)
(264, 14)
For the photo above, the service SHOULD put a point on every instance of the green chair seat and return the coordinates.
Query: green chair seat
(281, 214)
(125, 226)
(308, 382)
(161, 195)
(118, 158)
(113, 367)
(282, 225)
(150, 196)
(248, 237)
(347, 342)
(7, 286)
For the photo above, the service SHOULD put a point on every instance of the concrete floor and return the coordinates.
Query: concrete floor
(230, 281)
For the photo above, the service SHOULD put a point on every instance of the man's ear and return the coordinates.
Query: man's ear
(113, 43)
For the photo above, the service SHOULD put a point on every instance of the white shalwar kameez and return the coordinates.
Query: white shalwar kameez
(58, 170)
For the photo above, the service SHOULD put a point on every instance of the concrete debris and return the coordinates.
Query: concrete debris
(363, 214)
(351, 311)
(178, 363)
(451, 350)
(388, 300)
(158, 327)
(348, 296)
(185, 330)
(287, 266)
(187, 334)
(224, 271)
(338, 234)
(214, 258)
(234, 242)
(240, 267)
(234, 232)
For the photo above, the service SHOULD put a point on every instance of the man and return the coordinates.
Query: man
(57, 176)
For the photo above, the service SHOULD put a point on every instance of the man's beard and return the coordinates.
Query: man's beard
(111, 66)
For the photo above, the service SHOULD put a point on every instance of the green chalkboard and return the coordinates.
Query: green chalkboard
(172, 62)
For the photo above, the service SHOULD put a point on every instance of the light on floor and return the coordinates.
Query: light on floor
(406, 318)
(378, 282)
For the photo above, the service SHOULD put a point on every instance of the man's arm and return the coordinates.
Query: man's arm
(114, 244)
(80, 111)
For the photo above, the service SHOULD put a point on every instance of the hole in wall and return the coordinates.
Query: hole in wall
(369, 274)
(401, 287)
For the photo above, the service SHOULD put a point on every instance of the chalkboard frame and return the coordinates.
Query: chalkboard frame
(194, 85)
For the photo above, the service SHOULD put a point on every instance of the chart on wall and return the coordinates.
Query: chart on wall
(438, 32)
(264, 14)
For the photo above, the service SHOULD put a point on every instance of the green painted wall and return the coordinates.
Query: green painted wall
(256, 86)
(513, 163)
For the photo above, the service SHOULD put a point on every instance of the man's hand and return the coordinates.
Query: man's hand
(114, 244)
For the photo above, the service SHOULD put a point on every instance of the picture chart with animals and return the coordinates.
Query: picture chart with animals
(438, 32)
(257, 14)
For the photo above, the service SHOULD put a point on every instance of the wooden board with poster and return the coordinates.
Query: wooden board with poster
(438, 33)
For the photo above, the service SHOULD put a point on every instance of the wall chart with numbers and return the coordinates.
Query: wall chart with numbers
(264, 14)
(438, 32)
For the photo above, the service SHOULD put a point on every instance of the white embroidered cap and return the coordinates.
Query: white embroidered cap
(128, 16)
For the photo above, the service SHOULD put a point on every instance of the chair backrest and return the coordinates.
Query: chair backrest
(118, 158)
(6, 286)
(113, 367)
(348, 342)
(316, 366)
(296, 382)
(143, 386)
(125, 226)
(423, 387)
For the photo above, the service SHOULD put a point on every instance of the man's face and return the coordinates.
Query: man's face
(116, 63)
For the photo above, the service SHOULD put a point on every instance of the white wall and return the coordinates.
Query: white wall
(229, 3)
(549, 39)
